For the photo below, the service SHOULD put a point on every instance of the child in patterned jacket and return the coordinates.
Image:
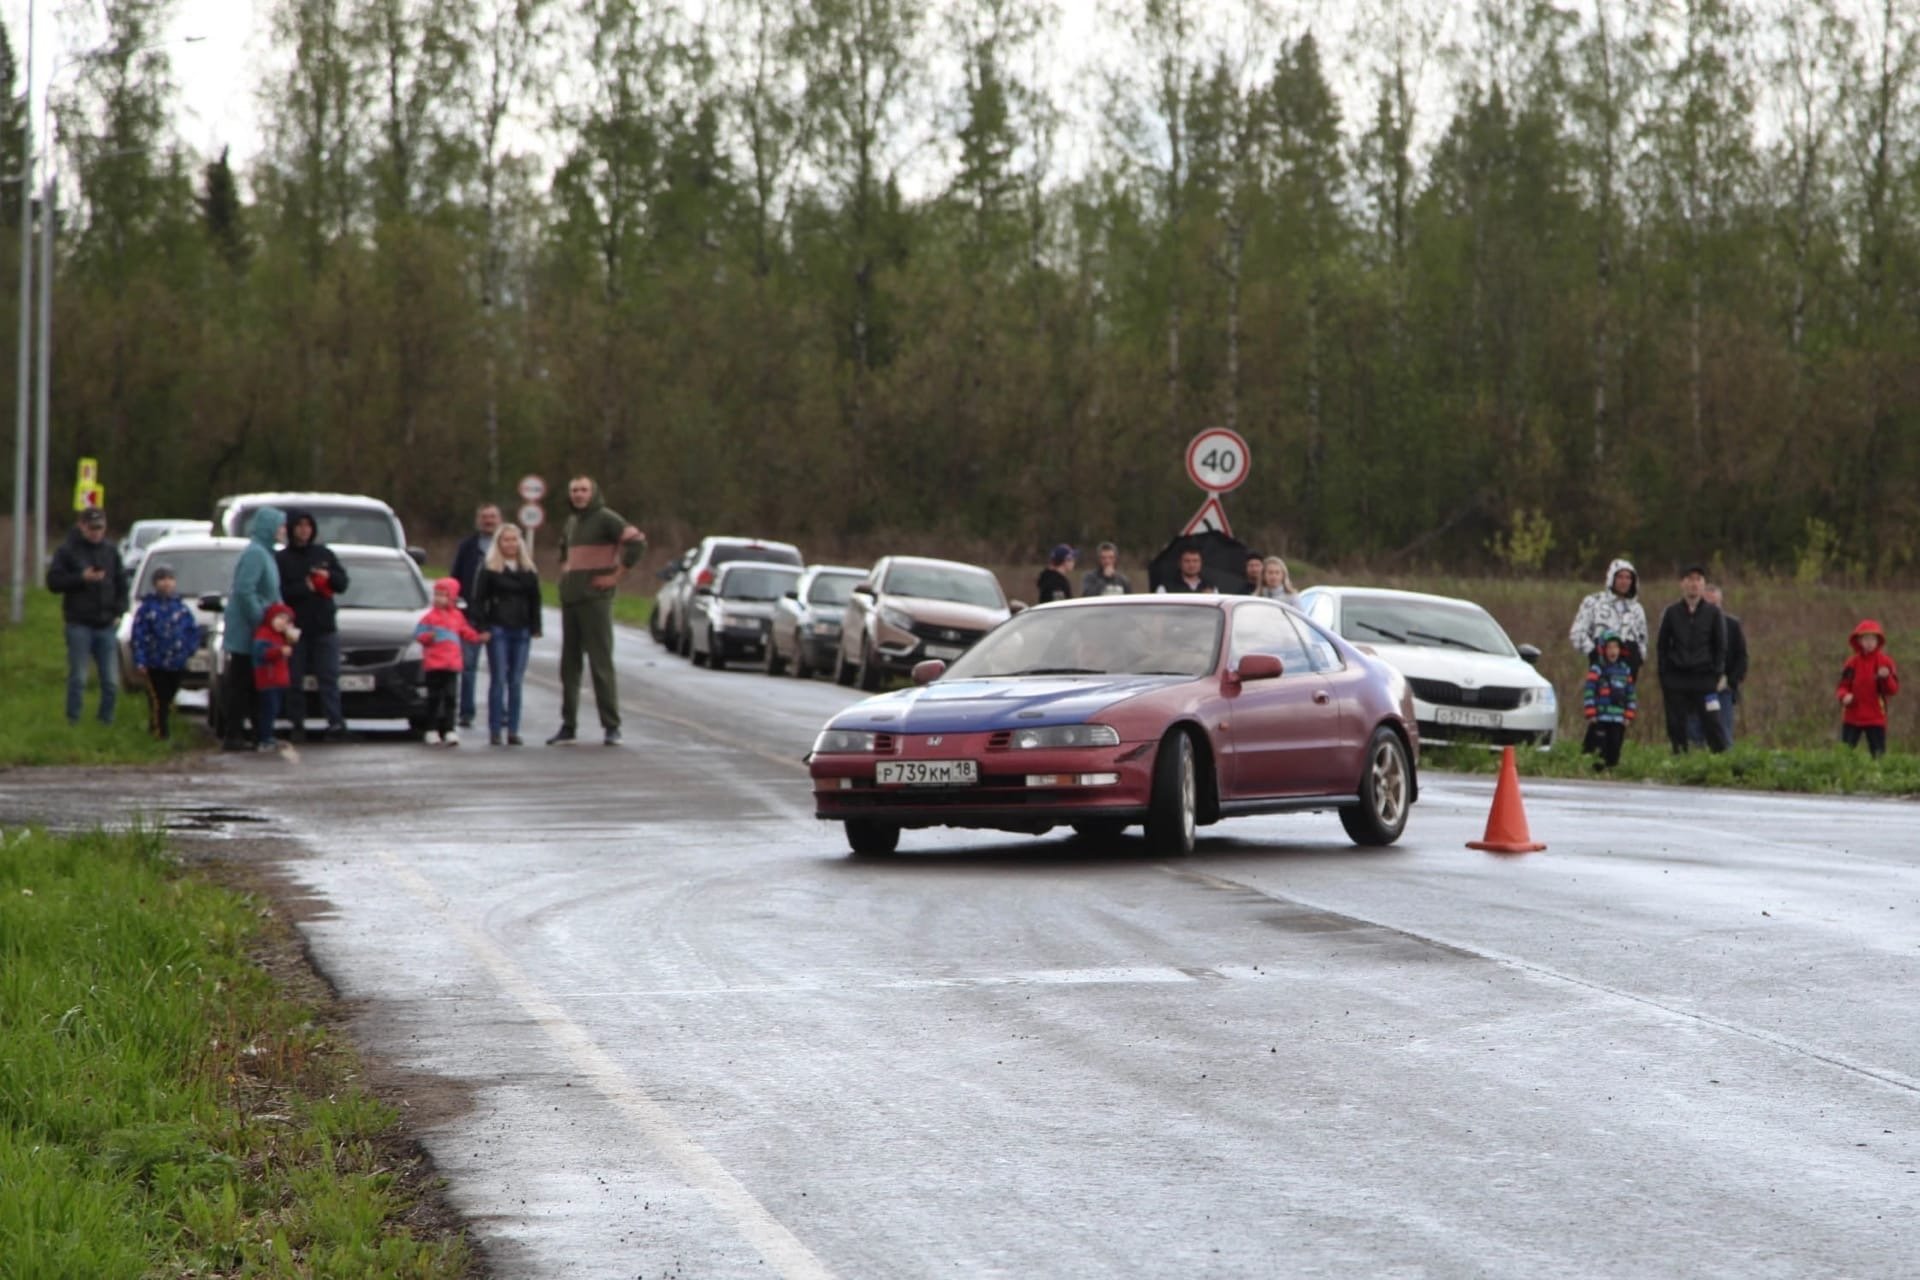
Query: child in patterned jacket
(1609, 702)
(440, 632)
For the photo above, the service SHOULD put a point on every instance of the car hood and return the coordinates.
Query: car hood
(1457, 666)
(982, 706)
(377, 626)
(947, 613)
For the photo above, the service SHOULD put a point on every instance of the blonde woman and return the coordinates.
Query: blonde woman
(506, 603)
(1276, 583)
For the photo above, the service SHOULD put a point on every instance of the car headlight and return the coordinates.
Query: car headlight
(1537, 697)
(896, 619)
(840, 742)
(1068, 735)
(413, 653)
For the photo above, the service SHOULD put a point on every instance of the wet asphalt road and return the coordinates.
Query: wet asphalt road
(667, 1028)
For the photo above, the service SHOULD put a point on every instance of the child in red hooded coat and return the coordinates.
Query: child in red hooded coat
(273, 642)
(1866, 682)
(440, 632)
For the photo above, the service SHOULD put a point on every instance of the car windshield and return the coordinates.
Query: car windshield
(1434, 624)
(381, 584)
(205, 571)
(944, 582)
(757, 584)
(340, 526)
(832, 588)
(1130, 639)
(727, 552)
(145, 533)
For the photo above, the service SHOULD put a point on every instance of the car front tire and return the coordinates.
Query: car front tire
(775, 664)
(1386, 791)
(1173, 811)
(870, 839)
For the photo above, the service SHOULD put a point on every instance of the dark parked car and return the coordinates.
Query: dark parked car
(1172, 711)
(380, 675)
(806, 621)
(731, 618)
(673, 603)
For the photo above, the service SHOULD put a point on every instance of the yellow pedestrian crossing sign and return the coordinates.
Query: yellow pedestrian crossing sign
(88, 492)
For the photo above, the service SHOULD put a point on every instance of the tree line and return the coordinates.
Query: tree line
(1520, 280)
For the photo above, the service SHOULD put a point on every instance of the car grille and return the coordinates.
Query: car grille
(368, 657)
(946, 635)
(1459, 734)
(1442, 693)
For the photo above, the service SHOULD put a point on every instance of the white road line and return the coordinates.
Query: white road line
(781, 1249)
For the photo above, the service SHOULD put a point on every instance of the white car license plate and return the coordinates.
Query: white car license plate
(1470, 719)
(927, 773)
(943, 652)
(353, 684)
(201, 662)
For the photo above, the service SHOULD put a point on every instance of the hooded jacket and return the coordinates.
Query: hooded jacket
(271, 669)
(596, 546)
(313, 602)
(1871, 679)
(1609, 697)
(256, 583)
(441, 630)
(1603, 611)
(83, 603)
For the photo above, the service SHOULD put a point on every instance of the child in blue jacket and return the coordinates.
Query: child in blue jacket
(165, 638)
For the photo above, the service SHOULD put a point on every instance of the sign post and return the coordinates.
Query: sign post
(531, 489)
(87, 489)
(1217, 461)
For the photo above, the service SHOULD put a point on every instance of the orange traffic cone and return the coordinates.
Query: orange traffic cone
(1507, 824)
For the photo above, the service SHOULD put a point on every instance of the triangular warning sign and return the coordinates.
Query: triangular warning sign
(1211, 515)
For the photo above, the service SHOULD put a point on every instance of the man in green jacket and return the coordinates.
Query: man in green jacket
(596, 548)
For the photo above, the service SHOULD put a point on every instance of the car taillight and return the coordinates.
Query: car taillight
(704, 579)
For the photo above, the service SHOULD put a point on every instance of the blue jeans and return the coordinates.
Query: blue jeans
(507, 654)
(319, 657)
(97, 645)
(469, 677)
(267, 704)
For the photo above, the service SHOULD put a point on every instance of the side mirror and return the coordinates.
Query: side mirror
(1259, 666)
(793, 595)
(863, 589)
(1530, 653)
(929, 671)
(418, 555)
(212, 603)
(703, 591)
(1016, 606)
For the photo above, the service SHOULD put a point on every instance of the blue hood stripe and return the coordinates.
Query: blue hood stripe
(987, 706)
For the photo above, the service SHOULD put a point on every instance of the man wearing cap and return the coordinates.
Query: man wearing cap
(85, 572)
(1053, 583)
(1693, 663)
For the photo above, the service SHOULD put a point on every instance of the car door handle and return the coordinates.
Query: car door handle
(1322, 697)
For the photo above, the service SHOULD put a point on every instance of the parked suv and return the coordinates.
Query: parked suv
(673, 603)
(343, 519)
(910, 608)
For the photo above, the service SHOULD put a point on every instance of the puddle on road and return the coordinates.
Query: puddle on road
(210, 820)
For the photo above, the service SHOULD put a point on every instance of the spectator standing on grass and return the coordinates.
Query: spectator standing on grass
(1616, 608)
(311, 576)
(1105, 579)
(468, 558)
(1866, 682)
(1276, 583)
(1609, 702)
(1736, 668)
(506, 605)
(165, 638)
(1053, 582)
(273, 643)
(256, 587)
(86, 573)
(596, 547)
(1693, 663)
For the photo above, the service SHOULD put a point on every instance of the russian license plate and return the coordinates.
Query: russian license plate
(354, 684)
(1470, 719)
(927, 773)
(826, 628)
(944, 652)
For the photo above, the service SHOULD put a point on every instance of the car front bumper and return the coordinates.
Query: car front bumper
(1017, 790)
(1529, 726)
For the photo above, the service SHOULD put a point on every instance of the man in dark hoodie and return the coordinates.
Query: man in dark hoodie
(310, 577)
(1693, 663)
(596, 548)
(86, 574)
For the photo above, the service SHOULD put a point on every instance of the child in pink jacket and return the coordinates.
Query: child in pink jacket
(440, 632)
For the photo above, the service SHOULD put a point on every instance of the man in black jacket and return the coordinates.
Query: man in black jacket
(87, 575)
(1693, 663)
(311, 576)
(1736, 668)
(467, 559)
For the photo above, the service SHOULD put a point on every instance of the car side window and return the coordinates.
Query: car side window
(1320, 608)
(1320, 649)
(1267, 629)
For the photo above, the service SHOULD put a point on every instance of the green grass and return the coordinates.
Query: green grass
(33, 695)
(164, 1108)
(1830, 770)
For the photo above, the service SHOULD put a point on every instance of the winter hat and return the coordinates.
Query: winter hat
(1061, 554)
(450, 585)
(162, 571)
(277, 609)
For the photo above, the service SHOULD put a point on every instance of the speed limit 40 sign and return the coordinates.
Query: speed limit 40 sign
(1217, 460)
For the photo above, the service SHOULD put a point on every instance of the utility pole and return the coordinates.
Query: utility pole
(20, 459)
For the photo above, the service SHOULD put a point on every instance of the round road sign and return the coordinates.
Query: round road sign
(1217, 460)
(531, 516)
(532, 488)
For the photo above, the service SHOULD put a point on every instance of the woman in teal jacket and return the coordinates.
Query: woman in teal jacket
(256, 585)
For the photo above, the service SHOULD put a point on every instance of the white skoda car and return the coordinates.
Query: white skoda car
(1470, 683)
